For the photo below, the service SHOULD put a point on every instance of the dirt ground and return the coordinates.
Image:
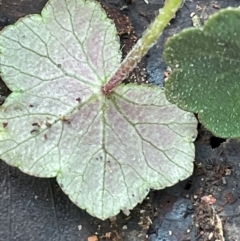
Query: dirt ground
(206, 206)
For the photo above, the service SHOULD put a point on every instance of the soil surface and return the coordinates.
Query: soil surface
(206, 206)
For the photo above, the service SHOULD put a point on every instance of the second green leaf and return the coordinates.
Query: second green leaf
(206, 72)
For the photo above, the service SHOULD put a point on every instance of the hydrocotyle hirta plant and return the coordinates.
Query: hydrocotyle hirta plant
(106, 145)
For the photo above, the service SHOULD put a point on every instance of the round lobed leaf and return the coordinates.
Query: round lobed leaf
(106, 151)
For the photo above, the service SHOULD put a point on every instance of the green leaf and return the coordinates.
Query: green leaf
(106, 151)
(206, 72)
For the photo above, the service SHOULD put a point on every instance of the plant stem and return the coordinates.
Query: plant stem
(144, 44)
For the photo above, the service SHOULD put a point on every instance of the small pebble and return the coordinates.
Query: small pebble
(124, 227)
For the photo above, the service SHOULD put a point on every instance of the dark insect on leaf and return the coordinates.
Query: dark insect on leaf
(34, 131)
(63, 119)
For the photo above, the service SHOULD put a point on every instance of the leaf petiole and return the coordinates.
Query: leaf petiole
(144, 44)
